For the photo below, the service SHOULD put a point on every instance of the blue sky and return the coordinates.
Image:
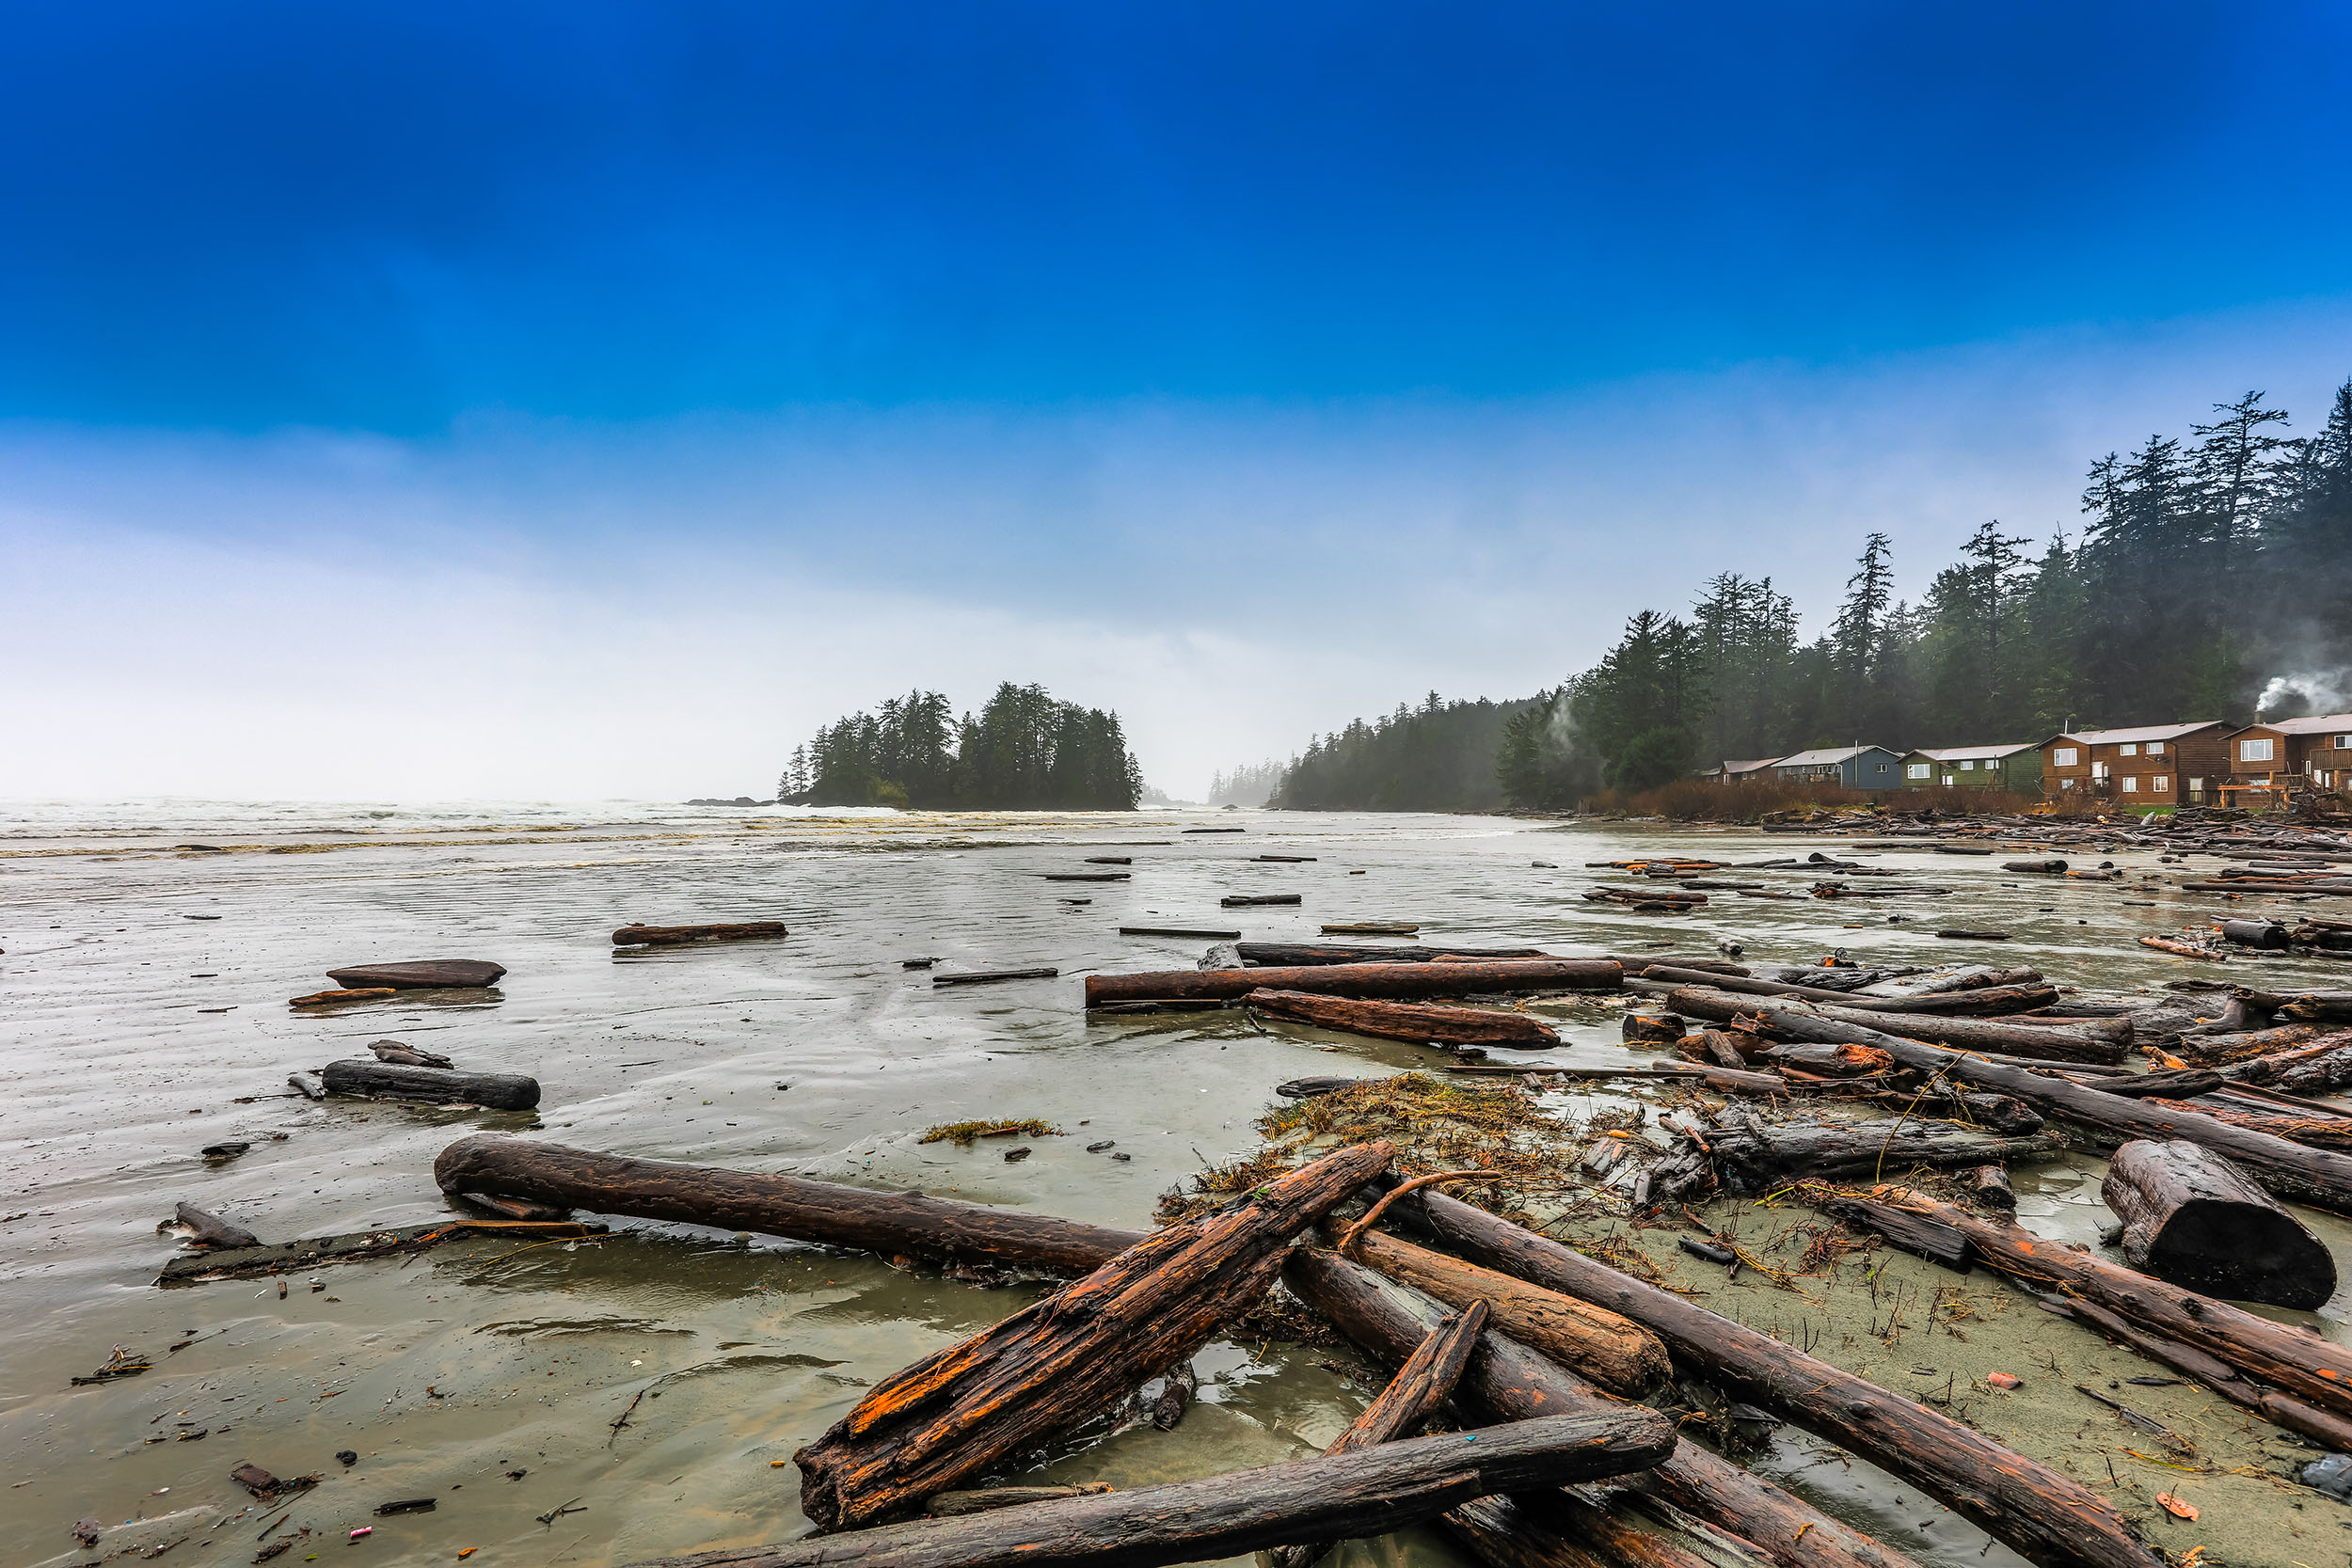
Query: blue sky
(1348, 338)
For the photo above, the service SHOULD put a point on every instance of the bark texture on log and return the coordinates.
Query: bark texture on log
(2190, 1218)
(673, 936)
(1277, 954)
(1562, 1530)
(2046, 1516)
(421, 974)
(1761, 1152)
(1422, 1384)
(501, 1091)
(2316, 1176)
(1620, 1355)
(1418, 1021)
(2040, 1043)
(962, 1409)
(868, 1219)
(1365, 979)
(2220, 1050)
(2301, 1363)
(1508, 1380)
(1369, 1492)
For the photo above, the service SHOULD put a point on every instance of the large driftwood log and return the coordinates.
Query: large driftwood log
(2329, 1431)
(2316, 1176)
(1562, 1530)
(1621, 1356)
(421, 974)
(501, 1091)
(2293, 1359)
(2046, 1516)
(1368, 1492)
(1420, 1386)
(2036, 1042)
(1407, 1021)
(1977, 1001)
(674, 936)
(2190, 1218)
(2220, 1050)
(1391, 980)
(1508, 1380)
(867, 1218)
(962, 1409)
(1260, 955)
(1761, 1153)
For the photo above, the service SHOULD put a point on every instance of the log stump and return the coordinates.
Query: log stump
(2192, 1218)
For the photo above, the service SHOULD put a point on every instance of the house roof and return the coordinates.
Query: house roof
(2318, 723)
(1973, 754)
(2147, 732)
(1826, 757)
(1748, 767)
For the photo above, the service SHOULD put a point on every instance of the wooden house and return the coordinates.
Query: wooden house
(2156, 765)
(1740, 772)
(1856, 767)
(2016, 769)
(2263, 757)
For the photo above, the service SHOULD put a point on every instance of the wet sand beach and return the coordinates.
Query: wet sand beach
(151, 948)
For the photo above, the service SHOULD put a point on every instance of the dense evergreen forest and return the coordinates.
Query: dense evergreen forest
(2210, 575)
(1024, 752)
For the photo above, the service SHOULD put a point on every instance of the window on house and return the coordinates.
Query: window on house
(2098, 770)
(1967, 767)
(2062, 756)
(1918, 769)
(2129, 749)
(2253, 751)
(2155, 747)
(2130, 785)
(2066, 784)
(1949, 781)
(2161, 785)
(2344, 743)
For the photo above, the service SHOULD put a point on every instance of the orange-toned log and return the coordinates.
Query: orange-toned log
(1407, 1021)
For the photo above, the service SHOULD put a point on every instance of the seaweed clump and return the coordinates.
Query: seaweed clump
(965, 1134)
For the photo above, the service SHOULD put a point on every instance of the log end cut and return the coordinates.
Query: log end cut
(2192, 1219)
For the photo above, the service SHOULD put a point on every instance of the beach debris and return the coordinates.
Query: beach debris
(1420, 1022)
(1175, 1397)
(1958, 935)
(1384, 981)
(962, 1410)
(1089, 876)
(346, 1458)
(407, 1505)
(290, 1257)
(422, 975)
(963, 1134)
(1374, 929)
(267, 1487)
(1708, 1251)
(337, 998)
(1287, 860)
(2192, 1218)
(1291, 954)
(1194, 932)
(371, 1079)
(1015, 1155)
(982, 976)
(2175, 1507)
(224, 1151)
(917, 963)
(1989, 1185)
(409, 1055)
(2329, 1473)
(2003, 1379)
(309, 1085)
(636, 935)
(1110, 860)
(208, 1230)
(1253, 900)
(120, 1364)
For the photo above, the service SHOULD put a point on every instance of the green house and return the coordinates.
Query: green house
(2015, 769)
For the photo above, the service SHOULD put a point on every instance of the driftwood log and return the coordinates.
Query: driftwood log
(2190, 1218)
(868, 1219)
(2293, 1360)
(1368, 1492)
(421, 974)
(2323, 1427)
(1407, 1021)
(207, 1229)
(2046, 1517)
(1420, 1386)
(1757, 1153)
(2222, 1048)
(1989, 1186)
(1620, 1356)
(1508, 1380)
(962, 1410)
(1262, 955)
(1380, 981)
(399, 1054)
(673, 936)
(947, 1505)
(2320, 1176)
(2034, 1041)
(499, 1091)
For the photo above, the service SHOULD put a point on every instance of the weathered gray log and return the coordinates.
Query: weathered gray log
(407, 1055)
(421, 974)
(1067, 1359)
(1251, 900)
(1419, 1022)
(2316, 1176)
(2046, 1516)
(2294, 1359)
(499, 1091)
(635, 935)
(1368, 1492)
(2191, 1218)
(1757, 1153)
(1380, 980)
(2036, 1042)
(1420, 1386)
(867, 1218)
(209, 1229)
(1508, 1381)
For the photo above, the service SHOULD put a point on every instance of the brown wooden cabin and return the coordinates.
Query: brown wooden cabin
(2264, 757)
(2155, 765)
